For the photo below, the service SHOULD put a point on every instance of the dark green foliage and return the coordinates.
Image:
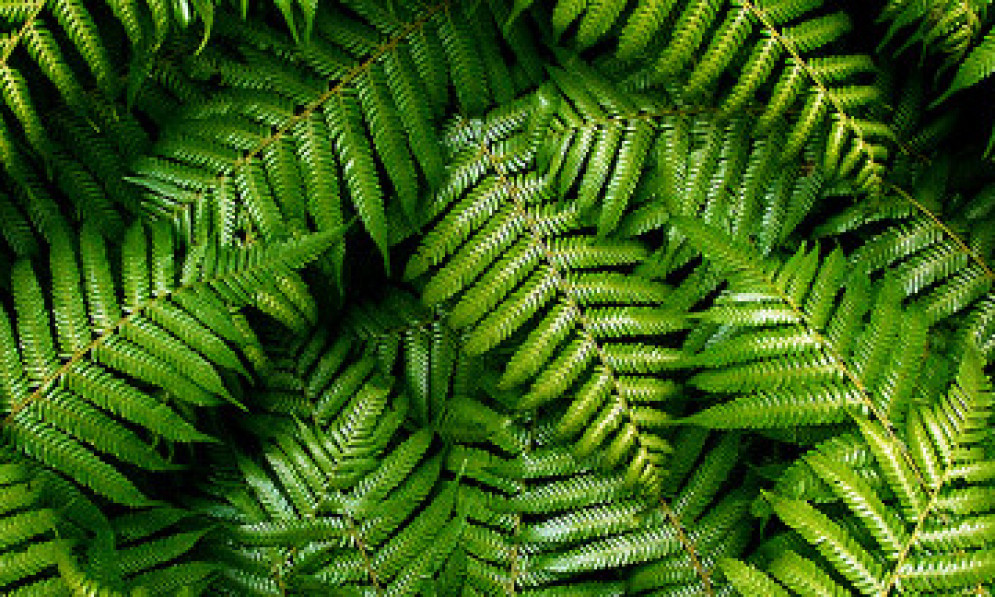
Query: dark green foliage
(940, 26)
(358, 96)
(550, 523)
(173, 330)
(56, 542)
(496, 297)
(330, 505)
(589, 316)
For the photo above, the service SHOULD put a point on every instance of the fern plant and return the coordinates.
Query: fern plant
(931, 532)
(503, 297)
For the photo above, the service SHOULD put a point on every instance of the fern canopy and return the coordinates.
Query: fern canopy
(535, 298)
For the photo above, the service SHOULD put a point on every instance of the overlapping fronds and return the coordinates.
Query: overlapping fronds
(928, 532)
(53, 541)
(694, 298)
(976, 66)
(709, 168)
(524, 271)
(541, 522)
(106, 354)
(612, 151)
(400, 337)
(734, 54)
(979, 329)
(151, 551)
(30, 548)
(342, 504)
(297, 137)
(70, 47)
(599, 141)
(416, 345)
(947, 27)
(973, 69)
(937, 249)
(82, 179)
(66, 148)
(65, 53)
(806, 341)
(29, 36)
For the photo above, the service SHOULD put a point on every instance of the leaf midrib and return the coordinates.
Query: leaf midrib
(957, 240)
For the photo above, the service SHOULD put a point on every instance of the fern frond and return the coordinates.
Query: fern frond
(940, 26)
(541, 522)
(671, 159)
(72, 391)
(521, 261)
(941, 259)
(30, 548)
(369, 82)
(818, 364)
(340, 504)
(54, 541)
(697, 298)
(417, 346)
(915, 537)
(68, 44)
(771, 50)
(149, 551)
(400, 338)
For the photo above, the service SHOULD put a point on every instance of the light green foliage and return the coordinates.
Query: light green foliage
(533, 298)
(929, 530)
(770, 48)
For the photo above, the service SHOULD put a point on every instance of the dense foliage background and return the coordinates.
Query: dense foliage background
(482, 297)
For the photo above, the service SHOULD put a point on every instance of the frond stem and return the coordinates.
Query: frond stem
(357, 540)
(895, 575)
(77, 356)
(972, 254)
(685, 540)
